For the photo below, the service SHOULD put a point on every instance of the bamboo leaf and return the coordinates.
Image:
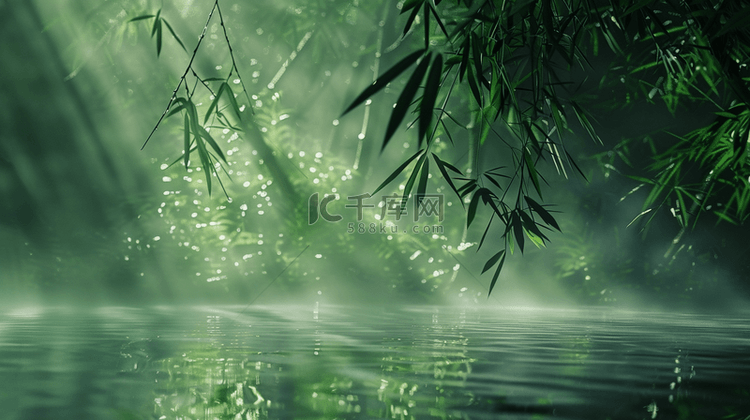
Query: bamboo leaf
(585, 122)
(187, 140)
(536, 239)
(473, 206)
(544, 214)
(383, 80)
(410, 20)
(422, 186)
(398, 170)
(135, 19)
(510, 243)
(232, 100)
(158, 38)
(207, 136)
(412, 178)
(464, 58)
(410, 4)
(532, 171)
(643, 213)
(404, 100)
(180, 106)
(484, 235)
(437, 18)
(430, 96)
(181, 157)
(738, 20)
(452, 168)
(492, 261)
(683, 209)
(467, 188)
(575, 165)
(214, 104)
(177, 38)
(492, 180)
(426, 26)
(497, 273)
(517, 226)
(547, 21)
(446, 176)
(530, 227)
(723, 216)
(156, 23)
(477, 54)
(202, 152)
(474, 87)
(637, 6)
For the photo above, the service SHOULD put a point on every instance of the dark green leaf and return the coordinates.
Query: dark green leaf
(430, 96)
(437, 18)
(412, 178)
(426, 26)
(492, 261)
(738, 20)
(422, 186)
(175, 109)
(575, 165)
(473, 205)
(232, 100)
(531, 227)
(398, 170)
(410, 4)
(214, 104)
(447, 177)
(187, 139)
(207, 136)
(517, 226)
(723, 216)
(181, 157)
(177, 38)
(530, 167)
(474, 87)
(492, 180)
(140, 18)
(404, 100)
(467, 188)
(465, 58)
(486, 230)
(477, 54)
(547, 21)
(158, 38)
(447, 132)
(637, 6)
(452, 168)
(383, 80)
(544, 214)
(199, 141)
(410, 20)
(156, 23)
(497, 274)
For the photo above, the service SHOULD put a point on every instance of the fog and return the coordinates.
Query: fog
(88, 218)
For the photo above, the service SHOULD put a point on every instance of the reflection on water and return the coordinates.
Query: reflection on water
(347, 363)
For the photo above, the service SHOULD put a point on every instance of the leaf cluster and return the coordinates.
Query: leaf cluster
(516, 62)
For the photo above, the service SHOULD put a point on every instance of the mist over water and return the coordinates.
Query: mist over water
(127, 291)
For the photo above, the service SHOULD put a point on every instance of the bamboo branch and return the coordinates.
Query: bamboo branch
(184, 75)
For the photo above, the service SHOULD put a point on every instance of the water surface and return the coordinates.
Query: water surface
(326, 362)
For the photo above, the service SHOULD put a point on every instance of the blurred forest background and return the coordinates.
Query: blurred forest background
(86, 216)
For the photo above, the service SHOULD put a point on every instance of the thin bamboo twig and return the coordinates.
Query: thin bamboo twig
(234, 62)
(184, 75)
